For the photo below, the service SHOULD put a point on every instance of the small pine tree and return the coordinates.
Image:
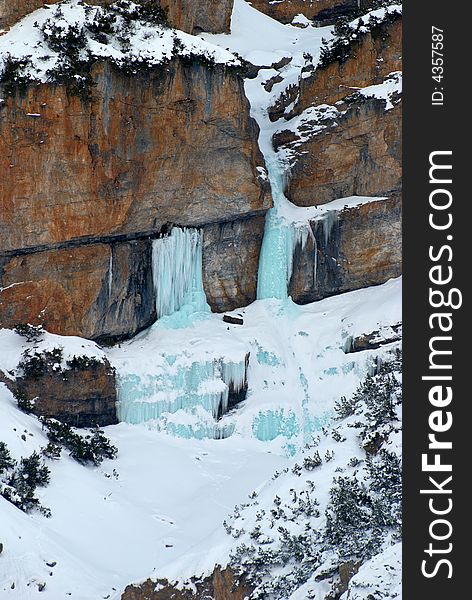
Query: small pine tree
(6, 460)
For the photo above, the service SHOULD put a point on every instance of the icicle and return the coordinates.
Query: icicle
(110, 272)
(328, 221)
(269, 424)
(234, 374)
(177, 273)
(189, 390)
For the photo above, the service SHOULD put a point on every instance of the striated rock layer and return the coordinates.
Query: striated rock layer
(352, 249)
(372, 57)
(81, 396)
(173, 146)
(359, 154)
(94, 291)
(355, 149)
(112, 165)
(230, 262)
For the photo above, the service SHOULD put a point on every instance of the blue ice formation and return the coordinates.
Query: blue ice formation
(177, 385)
(278, 246)
(177, 276)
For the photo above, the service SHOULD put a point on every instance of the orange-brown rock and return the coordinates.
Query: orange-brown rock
(105, 291)
(358, 155)
(373, 56)
(12, 11)
(222, 585)
(94, 291)
(230, 262)
(174, 145)
(193, 16)
(323, 11)
(82, 396)
(355, 248)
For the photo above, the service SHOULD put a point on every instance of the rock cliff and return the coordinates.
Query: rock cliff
(358, 152)
(81, 394)
(107, 171)
(340, 142)
(352, 248)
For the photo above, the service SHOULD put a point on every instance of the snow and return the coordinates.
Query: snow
(291, 347)
(152, 43)
(157, 510)
(13, 345)
(107, 529)
(390, 87)
(380, 577)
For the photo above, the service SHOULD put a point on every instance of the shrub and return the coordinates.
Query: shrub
(13, 76)
(6, 461)
(36, 365)
(311, 462)
(345, 34)
(32, 333)
(24, 403)
(52, 451)
(18, 482)
(89, 449)
(145, 10)
(82, 363)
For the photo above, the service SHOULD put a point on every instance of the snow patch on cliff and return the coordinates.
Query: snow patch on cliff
(153, 44)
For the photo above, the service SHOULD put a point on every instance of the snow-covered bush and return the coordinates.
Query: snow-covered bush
(82, 363)
(32, 333)
(92, 448)
(13, 76)
(36, 364)
(326, 513)
(133, 36)
(18, 481)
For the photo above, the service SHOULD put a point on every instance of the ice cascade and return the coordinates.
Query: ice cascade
(187, 395)
(177, 276)
(281, 238)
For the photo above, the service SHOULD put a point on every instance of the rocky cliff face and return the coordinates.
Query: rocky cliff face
(222, 585)
(358, 152)
(192, 16)
(350, 249)
(322, 11)
(372, 57)
(195, 16)
(12, 11)
(106, 174)
(232, 281)
(345, 143)
(81, 395)
(101, 290)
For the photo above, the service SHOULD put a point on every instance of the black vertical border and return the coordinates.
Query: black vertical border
(428, 128)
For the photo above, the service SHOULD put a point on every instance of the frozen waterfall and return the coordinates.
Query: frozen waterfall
(281, 238)
(177, 276)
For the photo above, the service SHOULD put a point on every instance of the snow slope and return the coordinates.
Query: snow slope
(157, 510)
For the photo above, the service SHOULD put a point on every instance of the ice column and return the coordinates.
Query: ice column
(281, 237)
(177, 272)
